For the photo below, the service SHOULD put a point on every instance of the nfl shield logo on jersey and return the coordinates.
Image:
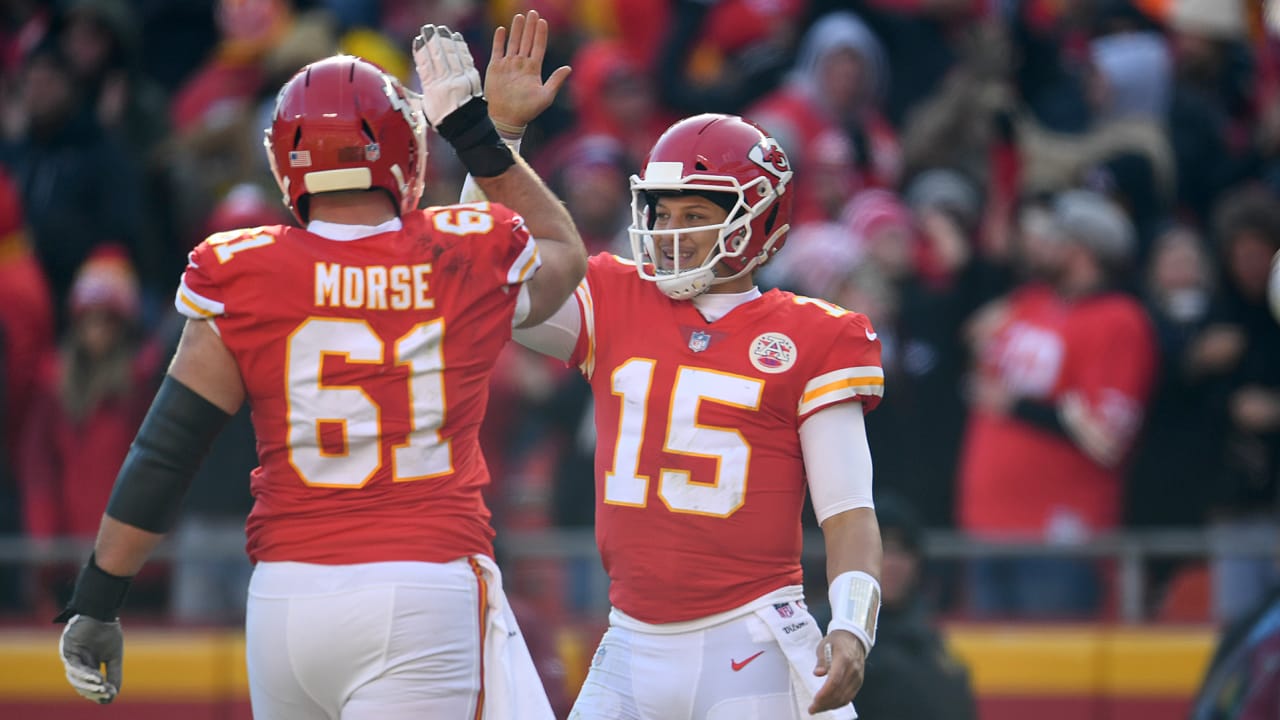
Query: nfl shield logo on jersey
(784, 610)
(698, 341)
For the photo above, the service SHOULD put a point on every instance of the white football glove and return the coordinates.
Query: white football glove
(447, 71)
(86, 645)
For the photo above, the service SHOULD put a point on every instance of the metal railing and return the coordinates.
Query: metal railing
(1130, 550)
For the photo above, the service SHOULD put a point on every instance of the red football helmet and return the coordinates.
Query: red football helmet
(717, 156)
(343, 124)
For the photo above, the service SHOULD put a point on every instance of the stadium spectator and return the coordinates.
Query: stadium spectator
(1064, 368)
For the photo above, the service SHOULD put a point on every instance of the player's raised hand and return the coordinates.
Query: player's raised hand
(513, 82)
(448, 73)
(842, 659)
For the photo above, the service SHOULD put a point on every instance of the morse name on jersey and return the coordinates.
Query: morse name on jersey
(374, 287)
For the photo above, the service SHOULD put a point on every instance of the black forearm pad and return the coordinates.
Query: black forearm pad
(171, 444)
(1041, 415)
(98, 594)
(472, 135)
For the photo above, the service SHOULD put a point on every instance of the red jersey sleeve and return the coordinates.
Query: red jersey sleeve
(199, 296)
(596, 282)
(1109, 376)
(849, 370)
(202, 292)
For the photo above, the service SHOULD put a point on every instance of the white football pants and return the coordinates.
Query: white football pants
(756, 666)
(384, 641)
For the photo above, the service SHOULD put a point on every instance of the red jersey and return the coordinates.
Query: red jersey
(699, 475)
(366, 363)
(1019, 478)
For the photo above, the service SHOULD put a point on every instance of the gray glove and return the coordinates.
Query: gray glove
(87, 644)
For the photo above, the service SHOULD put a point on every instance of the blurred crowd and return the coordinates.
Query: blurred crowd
(969, 172)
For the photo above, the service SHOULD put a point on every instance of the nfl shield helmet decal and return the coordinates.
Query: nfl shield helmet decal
(698, 341)
(772, 353)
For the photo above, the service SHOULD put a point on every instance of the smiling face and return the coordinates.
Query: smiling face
(677, 212)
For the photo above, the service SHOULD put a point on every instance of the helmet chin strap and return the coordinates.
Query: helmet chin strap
(687, 285)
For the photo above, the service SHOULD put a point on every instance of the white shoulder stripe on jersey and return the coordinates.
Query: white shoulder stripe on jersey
(842, 384)
(583, 294)
(525, 264)
(195, 305)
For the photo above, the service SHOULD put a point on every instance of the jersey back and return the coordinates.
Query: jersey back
(366, 365)
(700, 479)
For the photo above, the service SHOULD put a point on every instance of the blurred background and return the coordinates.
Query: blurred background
(932, 139)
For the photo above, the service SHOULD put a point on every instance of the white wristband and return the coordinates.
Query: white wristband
(855, 605)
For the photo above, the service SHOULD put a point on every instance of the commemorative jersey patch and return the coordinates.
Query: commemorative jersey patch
(772, 353)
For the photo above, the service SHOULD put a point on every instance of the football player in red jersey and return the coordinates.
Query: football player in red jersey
(717, 406)
(363, 341)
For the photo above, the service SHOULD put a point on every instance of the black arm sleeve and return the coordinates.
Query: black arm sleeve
(171, 444)
(1042, 415)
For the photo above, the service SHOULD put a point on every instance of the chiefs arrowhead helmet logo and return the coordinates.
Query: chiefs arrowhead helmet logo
(769, 155)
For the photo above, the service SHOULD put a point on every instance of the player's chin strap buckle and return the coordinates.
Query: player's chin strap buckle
(855, 605)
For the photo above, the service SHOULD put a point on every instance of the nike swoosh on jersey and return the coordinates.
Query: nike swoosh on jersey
(739, 665)
(870, 335)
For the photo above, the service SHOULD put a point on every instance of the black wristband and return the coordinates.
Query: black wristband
(98, 594)
(473, 136)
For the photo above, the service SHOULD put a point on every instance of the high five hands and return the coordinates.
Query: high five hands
(513, 82)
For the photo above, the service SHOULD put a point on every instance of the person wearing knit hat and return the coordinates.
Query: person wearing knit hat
(1078, 241)
(106, 282)
(1065, 367)
(882, 226)
(1095, 223)
(88, 399)
(949, 191)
